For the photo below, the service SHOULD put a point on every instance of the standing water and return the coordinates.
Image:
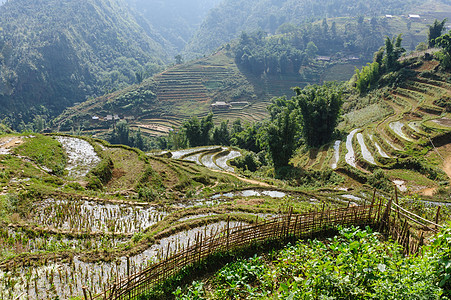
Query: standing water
(350, 156)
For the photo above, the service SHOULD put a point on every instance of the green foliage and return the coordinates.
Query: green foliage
(198, 132)
(221, 134)
(393, 51)
(237, 280)
(367, 78)
(194, 292)
(8, 205)
(134, 99)
(444, 42)
(246, 137)
(320, 108)
(380, 181)
(259, 55)
(94, 183)
(232, 17)
(75, 186)
(355, 264)
(124, 136)
(280, 138)
(150, 185)
(249, 161)
(440, 255)
(435, 30)
(55, 53)
(104, 170)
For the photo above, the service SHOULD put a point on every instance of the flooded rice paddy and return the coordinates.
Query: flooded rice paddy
(222, 161)
(336, 154)
(212, 157)
(365, 152)
(91, 216)
(379, 149)
(81, 156)
(397, 129)
(180, 153)
(65, 280)
(350, 156)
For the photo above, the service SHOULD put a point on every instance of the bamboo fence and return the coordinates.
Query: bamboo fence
(391, 219)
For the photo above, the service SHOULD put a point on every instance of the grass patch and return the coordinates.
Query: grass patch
(411, 177)
(45, 151)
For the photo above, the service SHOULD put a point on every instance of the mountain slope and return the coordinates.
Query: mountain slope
(175, 20)
(56, 53)
(269, 71)
(231, 17)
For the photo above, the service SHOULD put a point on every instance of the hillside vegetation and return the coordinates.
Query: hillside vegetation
(55, 53)
(251, 70)
(354, 264)
(231, 17)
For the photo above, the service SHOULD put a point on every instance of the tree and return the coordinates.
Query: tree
(367, 78)
(393, 51)
(177, 139)
(121, 133)
(139, 76)
(221, 134)
(320, 108)
(445, 43)
(311, 50)
(198, 132)
(435, 30)
(281, 138)
(178, 59)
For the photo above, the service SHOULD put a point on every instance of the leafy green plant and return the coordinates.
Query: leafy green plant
(355, 264)
(194, 292)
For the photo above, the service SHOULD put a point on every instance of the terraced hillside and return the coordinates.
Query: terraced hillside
(183, 91)
(404, 130)
(78, 212)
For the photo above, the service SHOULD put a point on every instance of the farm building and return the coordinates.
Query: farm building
(220, 105)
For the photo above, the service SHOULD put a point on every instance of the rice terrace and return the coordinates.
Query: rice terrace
(225, 149)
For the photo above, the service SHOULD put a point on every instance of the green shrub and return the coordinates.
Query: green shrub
(104, 170)
(355, 264)
(53, 180)
(248, 161)
(94, 183)
(75, 186)
(147, 194)
(378, 180)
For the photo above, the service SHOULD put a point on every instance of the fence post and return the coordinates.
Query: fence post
(437, 215)
(295, 225)
(379, 210)
(397, 203)
(371, 206)
(186, 253)
(228, 231)
(128, 266)
(200, 247)
(84, 292)
(289, 222)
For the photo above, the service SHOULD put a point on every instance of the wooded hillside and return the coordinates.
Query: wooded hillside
(55, 53)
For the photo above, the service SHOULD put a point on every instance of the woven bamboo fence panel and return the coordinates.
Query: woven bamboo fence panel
(391, 219)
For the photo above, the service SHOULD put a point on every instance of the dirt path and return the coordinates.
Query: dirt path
(6, 143)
